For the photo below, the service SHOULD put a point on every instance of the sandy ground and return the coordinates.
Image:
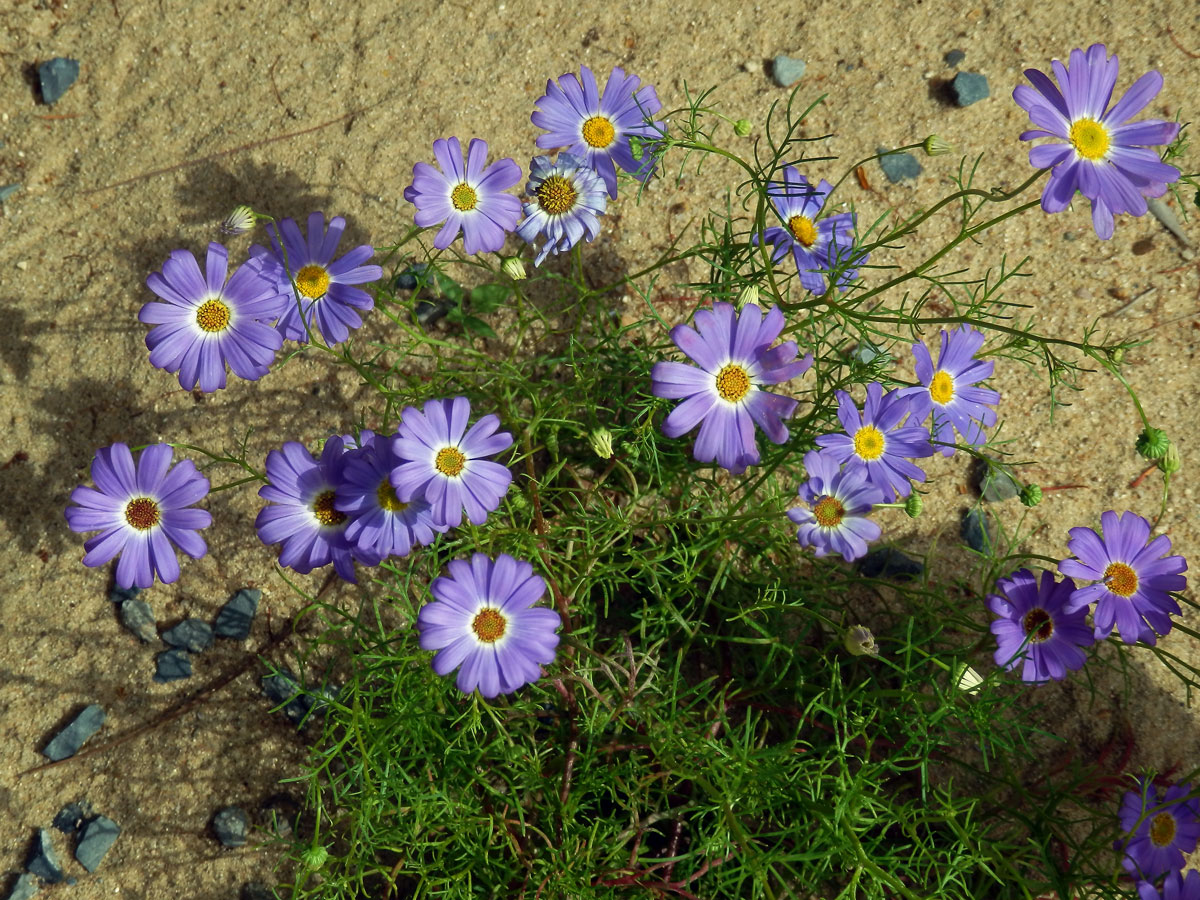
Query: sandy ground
(179, 114)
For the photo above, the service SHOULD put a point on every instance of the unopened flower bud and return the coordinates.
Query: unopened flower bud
(860, 642)
(1170, 462)
(936, 146)
(239, 221)
(513, 268)
(1031, 495)
(314, 857)
(742, 127)
(1117, 355)
(966, 679)
(1152, 443)
(913, 505)
(748, 294)
(602, 442)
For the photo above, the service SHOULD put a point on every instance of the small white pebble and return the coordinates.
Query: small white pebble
(22, 265)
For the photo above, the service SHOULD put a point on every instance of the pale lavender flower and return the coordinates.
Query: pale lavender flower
(839, 500)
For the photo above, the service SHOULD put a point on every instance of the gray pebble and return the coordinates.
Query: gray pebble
(43, 861)
(55, 76)
(192, 635)
(995, 483)
(229, 825)
(430, 312)
(954, 57)
(787, 70)
(137, 616)
(898, 166)
(283, 686)
(98, 835)
(172, 665)
(8, 190)
(120, 594)
(867, 353)
(968, 88)
(256, 890)
(280, 815)
(23, 888)
(71, 738)
(887, 562)
(235, 617)
(71, 816)
(976, 531)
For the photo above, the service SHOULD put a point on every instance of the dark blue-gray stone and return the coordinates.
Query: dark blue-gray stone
(98, 835)
(787, 70)
(120, 594)
(8, 190)
(954, 57)
(430, 312)
(867, 353)
(898, 166)
(976, 531)
(229, 825)
(997, 482)
(23, 888)
(71, 816)
(172, 665)
(282, 687)
(968, 88)
(137, 616)
(235, 617)
(192, 635)
(43, 861)
(71, 738)
(407, 280)
(55, 76)
(256, 890)
(887, 562)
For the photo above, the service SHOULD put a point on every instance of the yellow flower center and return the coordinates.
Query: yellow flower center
(1121, 579)
(312, 281)
(450, 462)
(1162, 829)
(386, 495)
(463, 197)
(556, 195)
(868, 443)
(941, 387)
(142, 513)
(1038, 625)
(733, 383)
(1089, 138)
(489, 625)
(212, 315)
(598, 132)
(829, 512)
(323, 509)
(803, 230)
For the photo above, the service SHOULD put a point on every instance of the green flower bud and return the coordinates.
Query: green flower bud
(748, 294)
(860, 642)
(602, 442)
(935, 146)
(913, 505)
(1152, 443)
(513, 268)
(742, 127)
(1170, 462)
(239, 221)
(1031, 495)
(314, 857)
(1117, 355)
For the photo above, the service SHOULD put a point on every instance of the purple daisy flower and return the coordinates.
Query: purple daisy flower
(817, 245)
(442, 462)
(380, 524)
(1163, 837)
(1175, 887)
(877, 443)
(468, 198)
(722, 394)
(1035, 626)
(1132, 577)
(207, 322)
(840, 501)
(300, 514)
(141, 513)
(483, 619)
(948, 390)
(324, 285)
(596, 127)
(567, 198)
(1105, 156)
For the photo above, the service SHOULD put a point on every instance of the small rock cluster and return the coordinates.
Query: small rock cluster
(94, 835)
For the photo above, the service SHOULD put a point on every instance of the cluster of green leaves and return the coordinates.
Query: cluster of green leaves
(704, 731)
